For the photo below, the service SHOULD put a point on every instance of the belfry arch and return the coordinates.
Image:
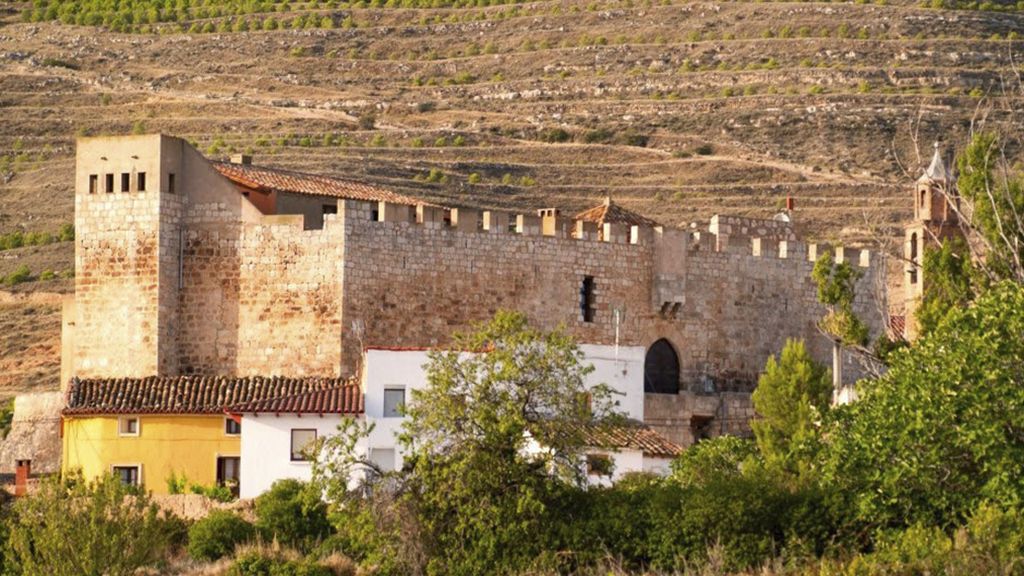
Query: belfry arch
(661, 369)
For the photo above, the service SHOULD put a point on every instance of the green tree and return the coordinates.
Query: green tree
(791, 397)
(995, 192)
(953, 282)
(941, 431)
(73, 527)
(292, 513)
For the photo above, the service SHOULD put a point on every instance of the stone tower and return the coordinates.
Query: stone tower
(936, 218)
(127, 258)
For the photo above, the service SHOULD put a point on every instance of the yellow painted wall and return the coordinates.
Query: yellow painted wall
(186, 445)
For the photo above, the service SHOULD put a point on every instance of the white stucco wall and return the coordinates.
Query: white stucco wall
(266, 449)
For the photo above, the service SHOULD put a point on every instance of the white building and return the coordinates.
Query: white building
(274, 433)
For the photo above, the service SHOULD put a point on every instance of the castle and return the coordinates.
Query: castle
(190, 267)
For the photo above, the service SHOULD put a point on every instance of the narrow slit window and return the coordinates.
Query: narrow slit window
(140, 182)
(170, 183)
(109, 183)
(913, 258)
(126, 182)
(94, 183)
(587, 298)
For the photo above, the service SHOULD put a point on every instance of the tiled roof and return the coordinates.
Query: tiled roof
(345, 399)
(632, 436)
(206, 394)
(611, 212)
(274, 179)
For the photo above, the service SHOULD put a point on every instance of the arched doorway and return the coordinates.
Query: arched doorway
(661, 369)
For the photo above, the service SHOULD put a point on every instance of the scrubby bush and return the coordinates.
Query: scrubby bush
(71, 527)
(292, 513)
(217, 535)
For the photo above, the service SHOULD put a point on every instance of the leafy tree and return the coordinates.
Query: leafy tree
(940, 432)
(836, 290)
(790, 398)
(995, 193)
(953, 282)
(74, 527)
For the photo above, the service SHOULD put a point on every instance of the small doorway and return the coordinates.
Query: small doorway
(228, 468)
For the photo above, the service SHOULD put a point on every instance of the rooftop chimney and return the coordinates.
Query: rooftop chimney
(245, 159)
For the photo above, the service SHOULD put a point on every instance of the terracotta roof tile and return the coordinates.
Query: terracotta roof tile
(274, 179)
(611, 212)
(634, 436)
(206, 394)
(345, 399)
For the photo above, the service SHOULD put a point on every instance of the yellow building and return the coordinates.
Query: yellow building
(146, 430)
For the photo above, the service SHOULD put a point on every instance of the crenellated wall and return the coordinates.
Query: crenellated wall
(197, 281)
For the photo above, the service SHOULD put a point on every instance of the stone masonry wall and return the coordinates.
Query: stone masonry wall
(409, 284)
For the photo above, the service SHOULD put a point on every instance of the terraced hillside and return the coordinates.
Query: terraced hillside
(678, 109)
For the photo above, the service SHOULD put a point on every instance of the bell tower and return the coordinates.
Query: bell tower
(936, 218)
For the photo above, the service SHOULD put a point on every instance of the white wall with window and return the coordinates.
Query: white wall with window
(272, 448)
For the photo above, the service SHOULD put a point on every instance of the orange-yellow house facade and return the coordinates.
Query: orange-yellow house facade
(147, 431)
(150, 449)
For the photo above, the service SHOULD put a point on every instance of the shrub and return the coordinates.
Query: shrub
(474, 178)
(217, 535)
(704, 150)
(47, 275)
(367, 121)
(21, 274)
(67, 232)
(293, 513)
(555, 135)
(71, 527)
(599, 135)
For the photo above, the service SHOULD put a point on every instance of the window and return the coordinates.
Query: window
(232, 427)
(128, 426)
(394, 399)
(587, 299)
(140, 181)
(661, 369)
(330, 209)
(128, 475)
(599, 465)
(126, 181)
(301, 440)
(109, 182)
(94, 182)
(228, 472)
(170, 183)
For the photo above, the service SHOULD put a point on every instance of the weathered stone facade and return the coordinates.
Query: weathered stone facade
(198, 281)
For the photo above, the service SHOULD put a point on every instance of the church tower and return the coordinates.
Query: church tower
(936, 218)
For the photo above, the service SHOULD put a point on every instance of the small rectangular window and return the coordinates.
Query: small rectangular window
(302, 439)
(140, 181)
(109, 182)
(587, 299)
(170, 184)
(330, 209)
(128, 475)
(394, 400)
(94, 182)
(599, 465)
(232, 427)
(128, 426)
(126, 181)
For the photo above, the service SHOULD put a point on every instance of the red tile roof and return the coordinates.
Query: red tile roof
(345, 399)
(208, 394)
(277, 180)
(609, 211)
(633, 436)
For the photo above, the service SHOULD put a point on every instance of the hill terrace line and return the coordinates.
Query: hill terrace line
(191, 271)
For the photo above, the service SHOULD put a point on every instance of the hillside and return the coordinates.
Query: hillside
(678, 109)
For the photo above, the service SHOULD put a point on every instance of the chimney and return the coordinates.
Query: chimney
(245, 159)
(22, 471)
(790, 204)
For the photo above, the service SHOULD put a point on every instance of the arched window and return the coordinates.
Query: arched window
(661, 369)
